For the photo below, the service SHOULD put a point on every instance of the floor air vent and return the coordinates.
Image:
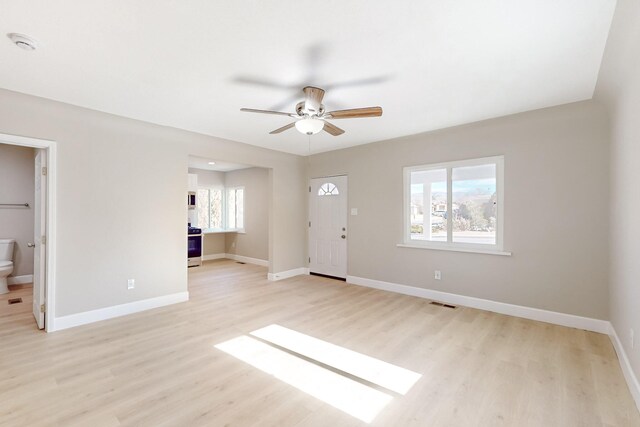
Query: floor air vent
(441, 304)
(14, 301)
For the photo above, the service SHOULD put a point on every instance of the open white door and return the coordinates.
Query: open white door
(39, 231)
(328, 226)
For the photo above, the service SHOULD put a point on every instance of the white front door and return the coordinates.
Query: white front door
(39, 256)
(328, 226)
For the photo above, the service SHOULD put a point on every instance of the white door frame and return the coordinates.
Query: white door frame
(50, 282)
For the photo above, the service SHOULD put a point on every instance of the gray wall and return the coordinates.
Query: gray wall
(254, 243)
(214, 244)
(619, 89)
(121, 211)
(17, 186)
(208, 178)
(556, 210)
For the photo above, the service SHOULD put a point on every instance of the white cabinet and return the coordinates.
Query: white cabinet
(193, 182)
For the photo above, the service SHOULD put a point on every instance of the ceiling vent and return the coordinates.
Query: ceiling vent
(22, 41)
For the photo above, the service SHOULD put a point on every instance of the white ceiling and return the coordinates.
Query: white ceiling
(203, 163)
(430, 63)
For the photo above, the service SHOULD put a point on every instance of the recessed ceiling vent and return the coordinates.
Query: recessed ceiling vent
(22, 41)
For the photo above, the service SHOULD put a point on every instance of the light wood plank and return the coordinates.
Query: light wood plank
(160, 367)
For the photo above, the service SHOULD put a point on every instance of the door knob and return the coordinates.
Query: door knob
(31, 245)
(343, 236)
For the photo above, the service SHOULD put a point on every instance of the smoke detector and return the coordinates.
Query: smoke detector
(22, 41)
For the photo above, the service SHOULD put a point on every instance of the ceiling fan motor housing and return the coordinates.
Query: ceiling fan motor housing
(302, 109)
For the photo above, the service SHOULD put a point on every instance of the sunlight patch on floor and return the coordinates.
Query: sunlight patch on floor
(376, 371)
(345, 394)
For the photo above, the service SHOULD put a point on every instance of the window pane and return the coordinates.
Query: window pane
(428, 205)
(202, 205)
(231, 208)
(328, 189)
(474, 204)
(215, 208)
(240, 208)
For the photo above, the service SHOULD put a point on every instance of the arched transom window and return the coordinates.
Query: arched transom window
(328, 189)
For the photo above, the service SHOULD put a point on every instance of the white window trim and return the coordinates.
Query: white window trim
(226, 211)
(225, 224)
(497, 248)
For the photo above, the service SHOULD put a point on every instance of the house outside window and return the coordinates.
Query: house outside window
(455, 204)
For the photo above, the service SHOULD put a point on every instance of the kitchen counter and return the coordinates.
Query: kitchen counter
(221, 231)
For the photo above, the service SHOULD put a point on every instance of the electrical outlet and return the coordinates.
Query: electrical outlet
(131, 283)
(631, 337)
(437, 275)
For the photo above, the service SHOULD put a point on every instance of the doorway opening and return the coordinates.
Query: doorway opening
(228, 208)
(27, 230)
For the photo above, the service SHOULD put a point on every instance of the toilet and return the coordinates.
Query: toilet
(6, 263)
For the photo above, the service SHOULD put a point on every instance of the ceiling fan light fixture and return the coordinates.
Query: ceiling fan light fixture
(309, 126)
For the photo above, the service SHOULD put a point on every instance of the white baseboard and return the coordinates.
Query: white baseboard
(257, 261)
(86, 317)
(20, 280)
(213, 256)
(249, 260)
(562, 319)
(287, 274)
(629, 375)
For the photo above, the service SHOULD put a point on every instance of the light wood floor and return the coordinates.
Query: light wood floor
(160, 367)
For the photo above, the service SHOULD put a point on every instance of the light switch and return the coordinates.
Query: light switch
(354, 211)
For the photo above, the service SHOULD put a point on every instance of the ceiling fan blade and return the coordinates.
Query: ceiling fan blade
(313, 99)
(278, 113)
(360, 82)
(355, 113)
(332, 129)
(283, 128)
(257, 81)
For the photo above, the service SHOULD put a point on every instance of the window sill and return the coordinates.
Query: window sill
(455, 249)
(221, 231)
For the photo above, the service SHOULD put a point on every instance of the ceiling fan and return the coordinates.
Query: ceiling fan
(311, 116)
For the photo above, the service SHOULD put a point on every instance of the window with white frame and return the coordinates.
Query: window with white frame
(220, 208)
(328, 189)
(209, 203)
(455, 204)
(235, 207)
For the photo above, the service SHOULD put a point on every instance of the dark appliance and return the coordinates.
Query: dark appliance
(191, 200)
(194, 246)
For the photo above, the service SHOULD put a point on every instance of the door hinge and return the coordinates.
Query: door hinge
(44, 170)
(309, 223)
(42, 310)
(309, 259)
(44, 240)
(309, 189)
